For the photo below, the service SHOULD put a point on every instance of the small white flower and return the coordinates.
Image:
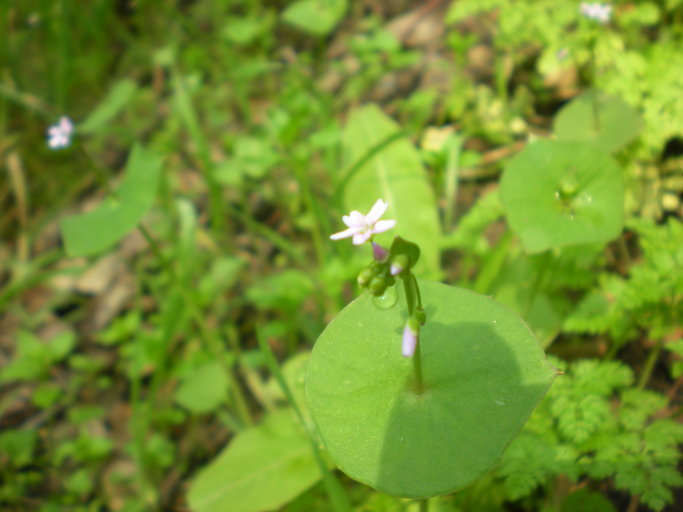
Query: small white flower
(596, 11)
(362, 227)
(409, 341)
(59, 135)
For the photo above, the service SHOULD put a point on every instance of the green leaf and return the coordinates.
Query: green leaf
(483, 370)
(204, 389)
(117, 98)
(396, 175)
(563, 193)
(317, 17)
(263, 468)
(92, 232)
(595, 117)
(34, 356)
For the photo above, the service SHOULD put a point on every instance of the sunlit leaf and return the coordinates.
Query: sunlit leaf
(395, 173)
(484, 372)
(563, 193)
(261, 469)
(595, 117)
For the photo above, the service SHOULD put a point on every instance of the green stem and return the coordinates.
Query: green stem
(414, 302)
(649, 365)
(424, 505)
(536, 285)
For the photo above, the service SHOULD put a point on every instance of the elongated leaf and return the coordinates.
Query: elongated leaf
(483, 370)
(263, 468)
(92, 232)
(396, 175)
(111, 105)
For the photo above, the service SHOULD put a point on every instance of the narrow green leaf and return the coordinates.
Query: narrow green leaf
(92, 232)
(117, 98)
(263, 468)
(396, 175)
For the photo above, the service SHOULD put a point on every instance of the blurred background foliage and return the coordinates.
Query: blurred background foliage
(125, 370)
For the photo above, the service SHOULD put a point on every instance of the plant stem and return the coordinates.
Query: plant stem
(649, 365)
(424, 505)
(414, 302)
(536, 285)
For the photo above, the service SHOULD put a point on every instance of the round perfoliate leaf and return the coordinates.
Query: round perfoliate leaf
(484, 372)
(595, 117)
(559, 193)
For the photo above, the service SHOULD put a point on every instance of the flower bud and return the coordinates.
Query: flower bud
(420, 316)
(398, 264)
(365, 276)
(409, 340)
(377, 286)
(379, 253)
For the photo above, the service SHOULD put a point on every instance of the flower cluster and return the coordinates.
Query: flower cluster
(596, 11)
(59, 135)
(387, 265)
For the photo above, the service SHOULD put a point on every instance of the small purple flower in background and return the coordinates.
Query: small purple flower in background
(362, 227)
(59, 135)
(596, 11)
(409, 340)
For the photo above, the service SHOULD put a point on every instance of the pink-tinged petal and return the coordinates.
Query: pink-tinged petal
(361, 238)
(65, 125)
(344, 234)
(376, 211)
(409, 341)
(355, 219)
(383, 225)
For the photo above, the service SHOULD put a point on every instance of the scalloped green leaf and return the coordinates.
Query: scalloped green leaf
(396, 174)
(92, 232)
(484, 372)
(595, 117)
(263, 468)
(559, 193)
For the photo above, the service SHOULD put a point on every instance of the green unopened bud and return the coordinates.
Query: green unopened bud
(420, 316)
(377, 286)
(365, 276)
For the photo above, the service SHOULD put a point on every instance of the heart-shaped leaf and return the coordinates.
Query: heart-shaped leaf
(559, 193)
(595, 117)
(484, 372)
